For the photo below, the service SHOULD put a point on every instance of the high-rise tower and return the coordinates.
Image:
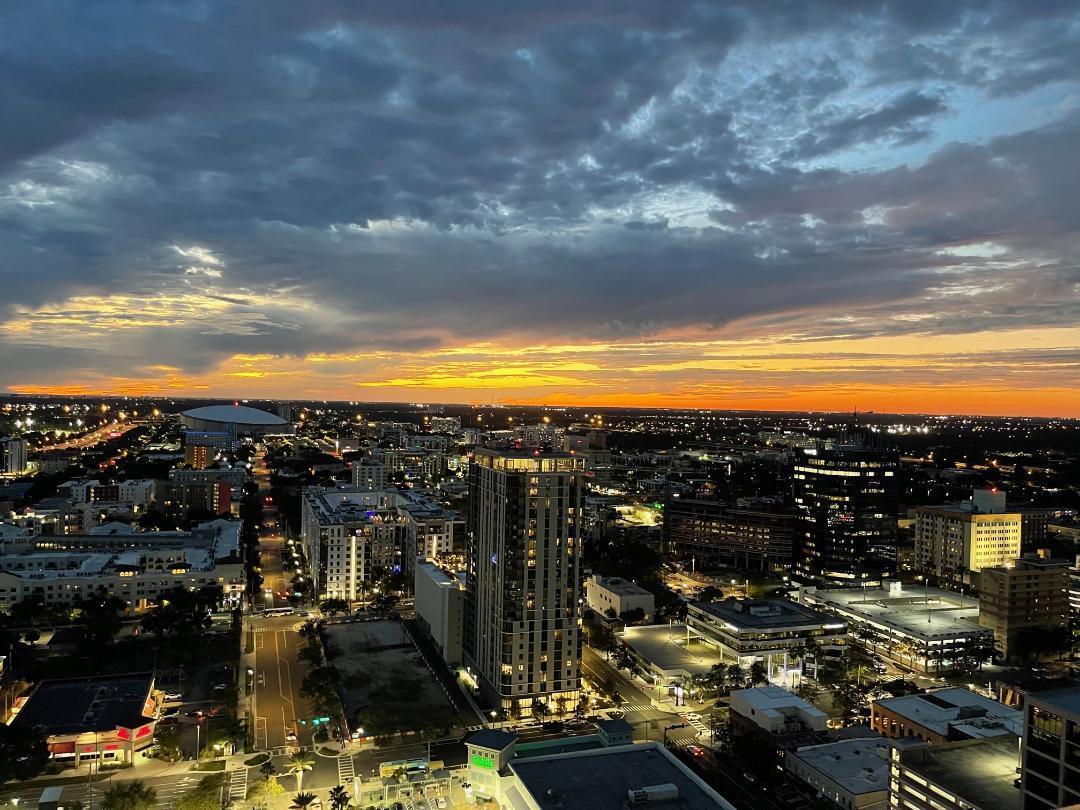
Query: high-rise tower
(522, 635)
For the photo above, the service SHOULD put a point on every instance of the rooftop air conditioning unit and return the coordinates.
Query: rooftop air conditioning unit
(653, 793)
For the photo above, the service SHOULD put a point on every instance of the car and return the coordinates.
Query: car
(170, 713)
(692, 716)
(696, 750)
(615, 714)
(174, 695)
(749, 777)
(440, 803)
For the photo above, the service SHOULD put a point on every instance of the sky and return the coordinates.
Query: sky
(823, 205)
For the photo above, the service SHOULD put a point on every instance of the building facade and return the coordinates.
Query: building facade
(13, 455)
(1051, 750)
(1029, 595)
(618, 597)
(440, 609)
(712, 534)
(524, 642)
(958, 540)
(846, 500)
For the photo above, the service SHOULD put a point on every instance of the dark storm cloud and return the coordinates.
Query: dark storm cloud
(400, 176)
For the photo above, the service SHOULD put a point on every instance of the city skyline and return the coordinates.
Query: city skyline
(724, 206)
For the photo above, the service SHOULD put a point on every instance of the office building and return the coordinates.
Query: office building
(771, 631)
(369, 474)
(524, 642)
(439, 600)
(846, 500)
(1051, 750)
(925, 629)
(968, 775)
(958, 540)
(1017, 600)
(13, 450)
(710, 534)
(944, 715)
(619, 598)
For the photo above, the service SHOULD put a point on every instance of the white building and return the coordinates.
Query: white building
(618, 595)
(439, 600)
(775, 711)
(353, 535)
(13, 450)
(137, 567)
(853, 774)
(957, 540)
(925, 629)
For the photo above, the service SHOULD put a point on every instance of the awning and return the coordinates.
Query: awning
(62, 748)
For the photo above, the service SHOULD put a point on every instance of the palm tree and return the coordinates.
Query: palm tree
(736, 675)
(302, 801)
(301, 761)
(339, 797)
(267, 769)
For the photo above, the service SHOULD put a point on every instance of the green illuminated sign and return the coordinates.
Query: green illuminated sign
(480, 761)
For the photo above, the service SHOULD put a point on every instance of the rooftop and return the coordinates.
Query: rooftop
(859, 766)
(664, 646)
(623, 587)
(773, 699)
(923, 613)
(981, 772)
(491, 738)
(234, 414)
(600, 780)
(1066, 701)
(958, 709)
(764, 614)
(77, 705)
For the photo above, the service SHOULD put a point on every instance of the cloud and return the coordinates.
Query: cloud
(184, 184)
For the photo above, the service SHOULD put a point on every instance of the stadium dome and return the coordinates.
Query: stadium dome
(244, 421)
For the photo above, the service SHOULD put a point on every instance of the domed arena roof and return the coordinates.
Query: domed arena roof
(247, 420)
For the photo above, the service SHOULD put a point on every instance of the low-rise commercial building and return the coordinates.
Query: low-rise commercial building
(968, 775)
(103, 719)
(1051, 749)
(775, 711)
(618, 597)
(925, 629)
(944, 715)
(1030, 594)
(596, 778)
(440, 609)
(768, 630)
(853, 774)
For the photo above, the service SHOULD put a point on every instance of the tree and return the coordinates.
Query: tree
(736, 674)
(133, 795)
(339, 797)
(23, 753)
(267, 769)
(30, 636)
(758, 674)
(560, 705)
(301, 761)
(718, 676)
(302, 801)
(332, 607)
(539, 709)
(265, 789)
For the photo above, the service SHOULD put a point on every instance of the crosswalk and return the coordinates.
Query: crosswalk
(346, 769)
(635, 707)
(697, 725)
(168, 795)
(682, 742)
(238, 784)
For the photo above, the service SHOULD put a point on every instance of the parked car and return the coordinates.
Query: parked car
(174, 695)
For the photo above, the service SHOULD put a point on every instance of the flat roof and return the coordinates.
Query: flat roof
(600, 779)
(623, 587)
(77, 705)
(238, 414)
(770, 698)
(981, 772)
(924, 613)
(1066, 701)
(859, 766)
(959, 709)
(658, 644)
(491, 738)
(763, 614)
